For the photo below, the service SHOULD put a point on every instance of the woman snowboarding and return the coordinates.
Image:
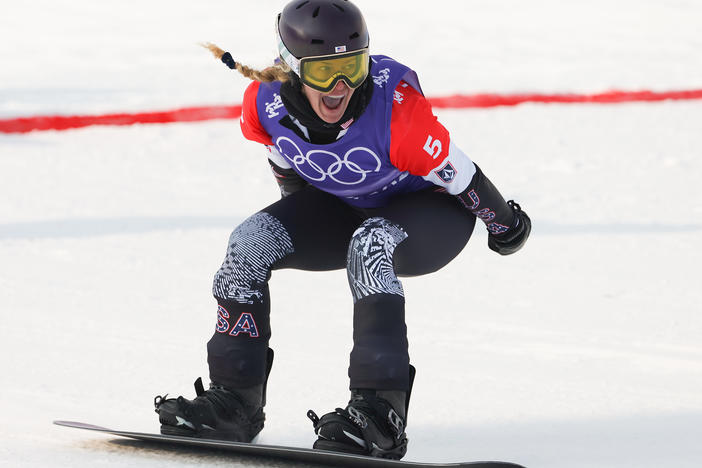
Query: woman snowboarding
(370, 182)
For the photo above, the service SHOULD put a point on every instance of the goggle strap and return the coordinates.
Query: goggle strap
(292, 61)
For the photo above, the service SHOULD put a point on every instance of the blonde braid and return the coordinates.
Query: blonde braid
(277, 72)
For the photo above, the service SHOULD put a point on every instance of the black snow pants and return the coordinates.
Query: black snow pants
(415, 234)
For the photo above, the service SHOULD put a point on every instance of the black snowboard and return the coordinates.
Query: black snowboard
(286, 453)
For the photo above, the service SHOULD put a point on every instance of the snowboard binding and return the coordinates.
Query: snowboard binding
(373, 424)
(217, 413)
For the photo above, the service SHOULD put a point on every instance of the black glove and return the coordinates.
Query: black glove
(514, 238)
(288, 180)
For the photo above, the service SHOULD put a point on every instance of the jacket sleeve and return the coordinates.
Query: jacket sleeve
(288, 180)
(250, 124)
(422, 146)
(483, 199)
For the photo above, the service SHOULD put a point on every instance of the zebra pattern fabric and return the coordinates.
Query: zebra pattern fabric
(369, 260)
(254, 246)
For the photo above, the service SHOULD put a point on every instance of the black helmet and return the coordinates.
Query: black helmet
(309, 28)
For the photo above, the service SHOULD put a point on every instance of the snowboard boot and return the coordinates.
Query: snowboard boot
(217, 413)
(373, 423)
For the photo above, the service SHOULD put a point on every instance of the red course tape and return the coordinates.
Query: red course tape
(458, 101)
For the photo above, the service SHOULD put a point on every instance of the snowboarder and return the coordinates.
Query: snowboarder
(370, 182)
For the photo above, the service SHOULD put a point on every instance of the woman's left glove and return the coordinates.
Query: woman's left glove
(514, 238)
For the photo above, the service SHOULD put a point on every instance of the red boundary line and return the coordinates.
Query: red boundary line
(458, 101)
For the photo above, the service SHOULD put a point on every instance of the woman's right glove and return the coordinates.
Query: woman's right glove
(513, 239)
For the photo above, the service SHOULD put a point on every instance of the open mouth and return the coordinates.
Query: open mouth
(332, 102)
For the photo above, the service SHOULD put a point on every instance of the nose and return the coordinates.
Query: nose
(340, 87)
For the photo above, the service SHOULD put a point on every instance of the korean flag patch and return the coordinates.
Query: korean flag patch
(446, 173)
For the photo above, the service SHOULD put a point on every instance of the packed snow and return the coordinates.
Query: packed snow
(582, 350)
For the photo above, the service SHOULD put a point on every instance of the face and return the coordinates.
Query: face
(330, 106)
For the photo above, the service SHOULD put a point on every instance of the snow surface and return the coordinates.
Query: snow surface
(583, 350)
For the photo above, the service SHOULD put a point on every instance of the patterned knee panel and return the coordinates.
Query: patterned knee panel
(369, 261)
(254, 246)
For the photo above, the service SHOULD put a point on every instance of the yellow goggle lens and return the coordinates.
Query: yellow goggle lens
(322, 73)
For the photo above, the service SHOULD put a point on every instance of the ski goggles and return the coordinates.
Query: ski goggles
(323, 73)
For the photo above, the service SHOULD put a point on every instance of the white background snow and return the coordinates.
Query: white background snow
(582, 350)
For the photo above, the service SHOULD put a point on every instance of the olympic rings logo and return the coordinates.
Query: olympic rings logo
(318, 165)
